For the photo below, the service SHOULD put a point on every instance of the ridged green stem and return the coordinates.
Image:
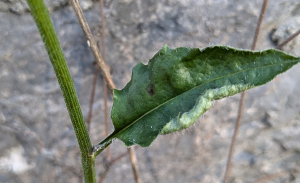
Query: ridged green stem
(42, 19)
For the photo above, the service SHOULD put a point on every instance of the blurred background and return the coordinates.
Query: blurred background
(37, 140)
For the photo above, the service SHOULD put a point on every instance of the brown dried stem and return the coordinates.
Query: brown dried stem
(103, 67)
(242, 99)
(108, 165)
(106, 117)
(258, 26)
(111, 162)
(104, 82)
(134, 165)
(131, 150)
(89, 118)
(103, 175)
(276, 175)
(288, 40)
(92, 44)
(233, 141)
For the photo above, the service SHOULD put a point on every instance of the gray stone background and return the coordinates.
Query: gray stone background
(37, 141)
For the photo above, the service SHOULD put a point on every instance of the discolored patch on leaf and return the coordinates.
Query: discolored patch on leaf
(203, 103)
(187, 80)
(151, 89)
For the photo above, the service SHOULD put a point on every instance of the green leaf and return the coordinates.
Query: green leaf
(179, 85)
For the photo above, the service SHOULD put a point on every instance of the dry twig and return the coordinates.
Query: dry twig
(108, 165)
(276, 175)
(258, 26)
(134, 165)
(104, 82)
(242, 100)
(288, 40)
(131, 150)
(103, 67)
(92, 44)
(89, 118)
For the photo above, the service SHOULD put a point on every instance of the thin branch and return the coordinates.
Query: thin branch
(66, 168)
(258, 26)
(109, 164)
(242, 99)
(233, 141)
(110, 3)
(135, 167)
(105, 72)
(276, 175)
(103, 30)
(92, 44)
(89, 118)
(104, 82)
(106, 117)
(103, 175)
(288, 40)
(131, 150)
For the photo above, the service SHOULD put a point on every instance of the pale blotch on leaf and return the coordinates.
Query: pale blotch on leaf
(203, 103)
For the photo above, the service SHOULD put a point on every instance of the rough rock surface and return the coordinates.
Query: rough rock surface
(37, 141)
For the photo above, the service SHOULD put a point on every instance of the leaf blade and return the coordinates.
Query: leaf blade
(178, 85)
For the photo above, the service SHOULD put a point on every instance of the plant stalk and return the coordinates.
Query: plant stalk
(42, 19)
